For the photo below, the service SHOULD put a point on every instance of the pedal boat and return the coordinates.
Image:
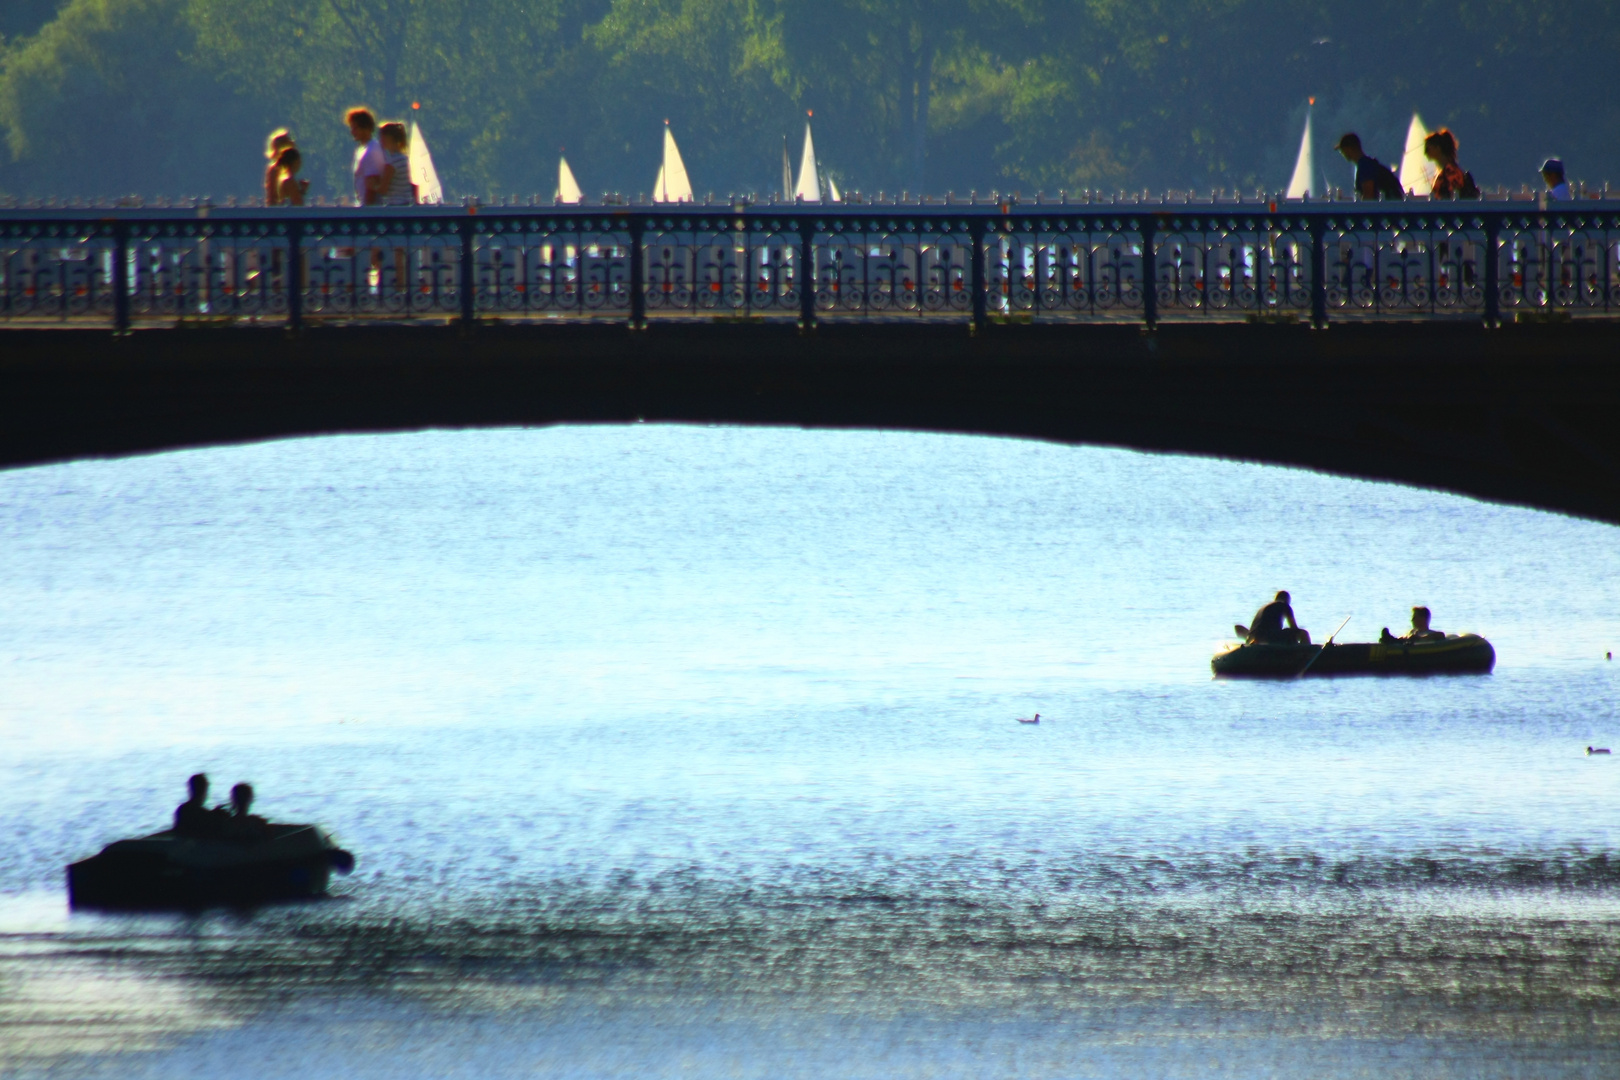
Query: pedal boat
(166, 871)
(1455, 654)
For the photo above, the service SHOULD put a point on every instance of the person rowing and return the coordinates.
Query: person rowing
(1266, 628)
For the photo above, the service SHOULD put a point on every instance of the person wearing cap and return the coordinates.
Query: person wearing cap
(1374, 180)
(1552, 172)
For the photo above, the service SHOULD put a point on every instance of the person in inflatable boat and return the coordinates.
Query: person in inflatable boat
(1421, 630)
(1266, 628)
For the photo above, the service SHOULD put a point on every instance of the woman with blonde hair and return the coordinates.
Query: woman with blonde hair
(279, 140)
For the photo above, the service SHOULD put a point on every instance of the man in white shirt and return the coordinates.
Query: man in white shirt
(369, 161)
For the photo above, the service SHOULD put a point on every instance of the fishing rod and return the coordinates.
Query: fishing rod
(1323, 649)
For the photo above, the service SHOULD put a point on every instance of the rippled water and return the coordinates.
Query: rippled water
(682, 751)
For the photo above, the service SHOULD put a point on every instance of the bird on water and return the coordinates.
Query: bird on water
(1030, 719)
(1590, 750)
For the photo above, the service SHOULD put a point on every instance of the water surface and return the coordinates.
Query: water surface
(683, 751)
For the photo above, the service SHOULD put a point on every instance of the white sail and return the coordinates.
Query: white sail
(672, 185)
(423, 174)
(1417, 172)
(567, 187)
(832, 190)
(809, 187)
(1302, 184)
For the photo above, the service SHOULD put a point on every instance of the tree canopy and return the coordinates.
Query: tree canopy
(106, 97)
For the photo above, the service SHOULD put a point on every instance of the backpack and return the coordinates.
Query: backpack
(1385, 182)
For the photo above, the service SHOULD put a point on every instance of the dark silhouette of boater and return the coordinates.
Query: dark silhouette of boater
(1266, 628)
(240, 824)
(1421, 630)
(193, 818)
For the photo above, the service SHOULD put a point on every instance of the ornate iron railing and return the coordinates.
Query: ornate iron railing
(1146, 263)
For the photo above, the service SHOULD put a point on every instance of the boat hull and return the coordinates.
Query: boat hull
(1461, 654)
(165, 871)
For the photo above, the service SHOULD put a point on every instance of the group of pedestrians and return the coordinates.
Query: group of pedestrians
(1375, 180)
(382, 164)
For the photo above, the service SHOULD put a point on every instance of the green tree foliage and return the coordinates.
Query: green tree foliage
(110, 98)
(175, 96)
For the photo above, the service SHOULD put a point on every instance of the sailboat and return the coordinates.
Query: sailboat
(567, 187)
(832, 190)
(787, 171)
(808, 188)
(1417, 172)
(423, 174)
(672, 184)
(1302, 184)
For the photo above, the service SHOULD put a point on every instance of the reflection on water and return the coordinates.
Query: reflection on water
(690, 752)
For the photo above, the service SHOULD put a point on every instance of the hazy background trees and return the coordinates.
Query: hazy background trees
(101, 97)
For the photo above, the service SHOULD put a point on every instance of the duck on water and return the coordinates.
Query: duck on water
(1271, 649)
(224, 856)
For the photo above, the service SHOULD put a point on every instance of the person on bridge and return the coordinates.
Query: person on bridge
(1374, 180)
(1266, 628)
(1552, 174)
(289, 190)
(1452, 182)
(397, 189)
(368, 156)
(280, 139)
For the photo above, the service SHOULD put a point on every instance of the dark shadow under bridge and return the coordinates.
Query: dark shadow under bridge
(1522, 413)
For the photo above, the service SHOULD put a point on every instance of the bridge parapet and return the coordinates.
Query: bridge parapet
(1309, 262)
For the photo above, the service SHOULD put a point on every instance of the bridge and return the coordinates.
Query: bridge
(1473, 347)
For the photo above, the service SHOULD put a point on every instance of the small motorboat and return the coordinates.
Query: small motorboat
(166, 870)
(1454, 654)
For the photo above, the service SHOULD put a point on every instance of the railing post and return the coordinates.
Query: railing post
(807, 275)
(1150, 274)
(1319, 312)
(295, 276)
(120, 277)
(638, 274)
(469, 310)
(1493, 271)
(977, 277)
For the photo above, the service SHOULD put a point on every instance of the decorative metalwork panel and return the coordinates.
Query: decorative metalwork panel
(550, 266)
(720, 265)
(204, 270)
(1058, 267)
(1567, 262)
(1233, 266)
(893, 266)
(1405, 264)
(56, 271)
(389, 268)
